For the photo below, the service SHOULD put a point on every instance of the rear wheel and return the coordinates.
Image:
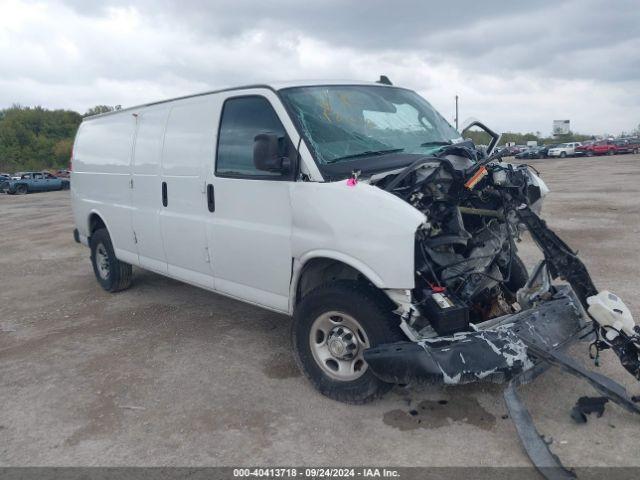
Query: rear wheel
(21, 189)
(332, 326)
(112, 274)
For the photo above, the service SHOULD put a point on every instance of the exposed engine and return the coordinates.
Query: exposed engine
(468, 245)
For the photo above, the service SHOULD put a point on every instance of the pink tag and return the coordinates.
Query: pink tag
(352, 182)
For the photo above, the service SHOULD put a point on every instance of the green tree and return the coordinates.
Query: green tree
(99, 109)
(34, 138)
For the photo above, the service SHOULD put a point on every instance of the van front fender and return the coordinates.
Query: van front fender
(362, 226)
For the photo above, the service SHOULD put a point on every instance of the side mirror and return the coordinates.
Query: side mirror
(268, 153)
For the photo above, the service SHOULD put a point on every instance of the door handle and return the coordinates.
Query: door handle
(165, 199)
(211, 199)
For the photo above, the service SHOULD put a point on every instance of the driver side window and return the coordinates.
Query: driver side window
(242, 119)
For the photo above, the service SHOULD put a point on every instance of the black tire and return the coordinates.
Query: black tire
(589, 153)
(610, 152)
(21, 189)
(119, 273)
(374, 315)
(563, 154)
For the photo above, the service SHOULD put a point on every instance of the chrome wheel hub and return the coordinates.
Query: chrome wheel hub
(342, 343)
(337, 342)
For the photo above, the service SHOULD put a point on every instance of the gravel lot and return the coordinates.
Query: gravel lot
(168, 374)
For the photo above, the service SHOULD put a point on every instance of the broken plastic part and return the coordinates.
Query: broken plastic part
(547, 463)
(610, 311)
(495, 352)
(607, 387)
(586, 406)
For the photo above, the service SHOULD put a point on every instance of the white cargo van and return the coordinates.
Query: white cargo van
(355, 208)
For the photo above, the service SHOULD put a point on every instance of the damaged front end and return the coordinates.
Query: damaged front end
(475, 313)
(495, 350)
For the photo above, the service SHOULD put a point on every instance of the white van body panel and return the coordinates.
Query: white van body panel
(189, 149)
(251, 240)
(101, 179)
(145, 204)
(363, 226)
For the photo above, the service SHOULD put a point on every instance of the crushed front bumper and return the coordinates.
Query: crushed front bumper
(498, 351)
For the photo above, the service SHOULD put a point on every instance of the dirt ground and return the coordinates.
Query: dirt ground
(168, 374)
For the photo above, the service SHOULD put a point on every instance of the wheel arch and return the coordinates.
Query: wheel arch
(317, 268)
(95, 221)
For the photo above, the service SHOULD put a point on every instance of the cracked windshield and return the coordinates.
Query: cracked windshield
(347, 122)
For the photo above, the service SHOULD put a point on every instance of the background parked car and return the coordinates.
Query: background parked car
(33, 182)
(602, 147)
(627, 145)
(508, 151)
(565, 150)
(532, 152)
(544, 149)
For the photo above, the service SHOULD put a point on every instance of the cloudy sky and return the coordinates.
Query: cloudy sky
(517, 65)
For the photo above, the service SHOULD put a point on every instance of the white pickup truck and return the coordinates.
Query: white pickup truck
(355, 208)
(565, 150)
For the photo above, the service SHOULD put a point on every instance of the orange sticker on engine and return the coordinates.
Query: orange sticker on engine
(479, 175)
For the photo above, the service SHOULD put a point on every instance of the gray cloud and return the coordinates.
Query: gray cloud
(536, 35)
(518, 64)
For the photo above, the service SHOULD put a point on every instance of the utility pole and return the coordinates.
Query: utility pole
(456, 112)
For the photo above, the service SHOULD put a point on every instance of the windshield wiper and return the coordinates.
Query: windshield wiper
(436, 143)
(368, 153)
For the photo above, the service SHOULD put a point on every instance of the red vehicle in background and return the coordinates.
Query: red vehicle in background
(610, 147)
(602, 147)
(627, 145)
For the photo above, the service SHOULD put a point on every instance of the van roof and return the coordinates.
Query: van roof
(275, 86)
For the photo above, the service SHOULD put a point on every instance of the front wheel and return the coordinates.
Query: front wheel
(563, 154)
(21, 189)
(332, 327)
(112, 274)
